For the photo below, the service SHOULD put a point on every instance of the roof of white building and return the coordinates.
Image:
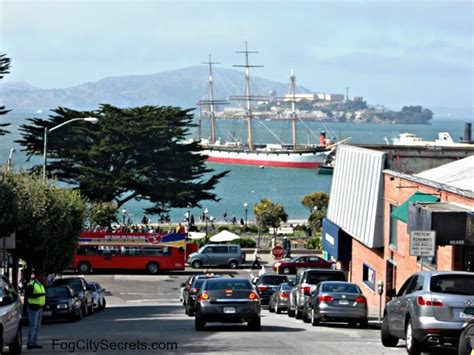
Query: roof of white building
(458, 174)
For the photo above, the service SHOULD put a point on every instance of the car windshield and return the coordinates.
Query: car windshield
(340, 287)
(198, 283)
(76, 285)
(317, 277)
(57, 292)
(212, 285)
(273, 280)
(453, 284)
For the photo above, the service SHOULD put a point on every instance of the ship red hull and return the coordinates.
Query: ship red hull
(273, 163)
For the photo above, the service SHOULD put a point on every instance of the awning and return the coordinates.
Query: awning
(224, 236)
(196, 235)
(401, 213)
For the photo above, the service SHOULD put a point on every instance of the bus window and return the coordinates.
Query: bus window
(131, 251)
(108, 250)
(87, 250)
(156, 251)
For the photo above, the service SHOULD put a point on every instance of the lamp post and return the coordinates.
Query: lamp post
(46, 131)
(9, 163)
(206, 211)
(246, 207)
(124, 214)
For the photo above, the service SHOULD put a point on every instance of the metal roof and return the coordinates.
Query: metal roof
(459, 174)
(356, 199)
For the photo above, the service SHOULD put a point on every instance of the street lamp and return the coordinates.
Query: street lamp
(46, 131)
(246, 207)
(9, 163)
(206, 211)
(124, 214)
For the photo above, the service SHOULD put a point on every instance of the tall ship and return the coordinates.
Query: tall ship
(294, 155)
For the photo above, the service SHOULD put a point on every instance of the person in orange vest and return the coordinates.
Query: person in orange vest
(35, 299)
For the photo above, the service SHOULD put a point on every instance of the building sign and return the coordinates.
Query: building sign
(329, 238)
(422, 243)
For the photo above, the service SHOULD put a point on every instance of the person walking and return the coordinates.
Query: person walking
(35, 299)
(256, 260)
(286, 247)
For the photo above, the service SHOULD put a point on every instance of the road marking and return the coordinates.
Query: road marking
(147, 278)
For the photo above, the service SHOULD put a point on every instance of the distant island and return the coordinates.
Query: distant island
(185, 87)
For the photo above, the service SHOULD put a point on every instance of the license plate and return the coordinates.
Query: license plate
(47, 313)
(229, 310)
(344, 302)
(463, 315)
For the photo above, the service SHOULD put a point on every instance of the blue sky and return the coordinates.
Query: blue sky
(390, 52)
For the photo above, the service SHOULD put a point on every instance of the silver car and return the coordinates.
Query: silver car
(429, 310)
(10, 316)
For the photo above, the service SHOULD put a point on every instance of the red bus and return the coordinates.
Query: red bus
(152, 252)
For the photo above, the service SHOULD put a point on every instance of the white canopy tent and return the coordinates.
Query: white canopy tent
(224, 236)
(196, 235)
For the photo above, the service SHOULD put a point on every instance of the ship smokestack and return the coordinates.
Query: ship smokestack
(467, 133)
(322, 139)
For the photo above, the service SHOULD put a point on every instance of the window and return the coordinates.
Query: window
(220, 250)
(453, 284)
(313, 259)
(368, 276)
(108, 250)
(393, 232)
(233, 250)
(402, 290)
(209, 250)
(87, 250)
(156, 251)
(131, 251)
(416, 284)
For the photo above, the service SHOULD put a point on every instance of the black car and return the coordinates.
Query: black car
(193, 291)
(227, 300)
(266, 286)
(83, 290)
(62, 302)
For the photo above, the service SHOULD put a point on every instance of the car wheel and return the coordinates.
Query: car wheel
(85, 311)
(104, 304)
(270, 308)
(72, 317)
(286, 270)
(364, 324)
(84, 268)
(298, 313)
(199, 324)
(91, 309)
(291, 312)
(352, 323)
(196, 264)
(190, 312)
(413, 345)
(255, 323)
(305, 315)
(233, 264)
(79, 315)
(277, 309)
(314, 320)
(462, 348)
(152, 268)
(15, 347)
(387, 339)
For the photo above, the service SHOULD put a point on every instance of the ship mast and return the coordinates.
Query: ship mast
(293, 108)
(247, 96)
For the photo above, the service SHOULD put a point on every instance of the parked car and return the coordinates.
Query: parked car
(303, 261)
(227, 300)
(82, 288)
(466, 340)
(266, 286)
(279, 299)
(98, 296)
(429, 310)
(306, 282)
(186, 286)
(194, 290)
(217, 255)
(10, 317)
(336, 301)
(62, 302)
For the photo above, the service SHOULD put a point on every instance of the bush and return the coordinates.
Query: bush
(314, 243)
(245, 242)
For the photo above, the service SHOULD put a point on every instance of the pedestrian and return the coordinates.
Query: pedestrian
(225, 216)
(287, 247)
(262, 271)
(234, 220)
(256, 260)
(242, 222)
(35, 299)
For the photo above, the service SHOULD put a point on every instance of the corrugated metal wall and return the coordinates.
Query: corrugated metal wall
(356, 200)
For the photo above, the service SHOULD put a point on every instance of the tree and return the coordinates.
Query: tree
(315, 199)
(49, 220)
(8, 206)
(103, 214)
(4, 66)
(132, 153)
(268, 214)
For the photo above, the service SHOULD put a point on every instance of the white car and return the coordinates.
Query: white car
(98, 296)
(10, 317)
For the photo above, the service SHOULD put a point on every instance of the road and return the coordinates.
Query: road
(143, 308)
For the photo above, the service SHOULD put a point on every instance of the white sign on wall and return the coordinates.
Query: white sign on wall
(422, 243)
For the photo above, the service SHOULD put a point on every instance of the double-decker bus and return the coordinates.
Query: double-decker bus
(152, 252)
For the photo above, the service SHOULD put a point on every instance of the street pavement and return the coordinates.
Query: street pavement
(144, 311)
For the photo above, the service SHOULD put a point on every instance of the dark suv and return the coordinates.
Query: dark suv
(83, 290)
(266, 286)
(306, 283)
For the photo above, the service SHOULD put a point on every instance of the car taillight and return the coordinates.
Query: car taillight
(284, 294)
(203, 296)
(325, 298)
(194, 290)
(429, 301)
(361, 299)
(262, 288)
(253, 296)
(305, 290)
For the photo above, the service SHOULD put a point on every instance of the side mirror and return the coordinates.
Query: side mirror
(391, 293)
(6, 300)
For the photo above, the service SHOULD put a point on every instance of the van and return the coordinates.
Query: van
(230, 255)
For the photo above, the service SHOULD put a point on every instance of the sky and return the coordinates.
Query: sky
(390, 52)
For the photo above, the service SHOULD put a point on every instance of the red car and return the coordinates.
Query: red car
(298, 262)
